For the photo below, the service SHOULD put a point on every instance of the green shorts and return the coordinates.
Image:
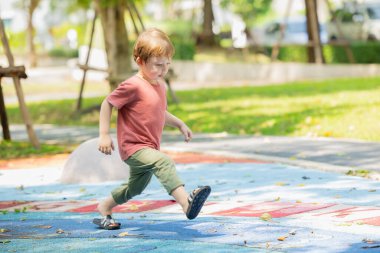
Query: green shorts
(143, 164)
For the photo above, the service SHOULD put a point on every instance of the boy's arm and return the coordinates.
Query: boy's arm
(105, 142)
(173, 121)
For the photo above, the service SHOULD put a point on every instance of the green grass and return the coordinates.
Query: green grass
(344, 108)
(9, 150)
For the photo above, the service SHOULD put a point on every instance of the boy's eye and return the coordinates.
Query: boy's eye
(161, 65)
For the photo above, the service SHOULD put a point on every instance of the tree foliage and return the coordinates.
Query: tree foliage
(249, 10)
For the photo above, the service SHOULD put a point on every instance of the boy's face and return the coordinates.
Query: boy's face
(155, 67)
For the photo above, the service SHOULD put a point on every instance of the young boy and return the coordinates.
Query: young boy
(142, 115)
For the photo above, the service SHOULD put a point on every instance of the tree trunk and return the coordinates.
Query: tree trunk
(314, 49)
(115, 40)
(207, 37)
(32, 5)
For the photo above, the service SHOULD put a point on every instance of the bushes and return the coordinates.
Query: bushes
(184, 50)
(364, 52)
(64, 53)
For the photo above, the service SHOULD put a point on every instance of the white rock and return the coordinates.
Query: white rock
(88, 165)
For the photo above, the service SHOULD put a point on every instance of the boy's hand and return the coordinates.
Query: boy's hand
(106, 144)
(185, 130)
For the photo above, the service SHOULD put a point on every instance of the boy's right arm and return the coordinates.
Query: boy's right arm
(105, 142)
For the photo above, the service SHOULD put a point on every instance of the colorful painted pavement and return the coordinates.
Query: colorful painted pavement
(253, 207)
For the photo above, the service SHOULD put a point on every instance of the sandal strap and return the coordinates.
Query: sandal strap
(107, 221)
(191, 195)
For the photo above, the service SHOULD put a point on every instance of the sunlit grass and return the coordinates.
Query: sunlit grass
(10, 150)
(345, 108)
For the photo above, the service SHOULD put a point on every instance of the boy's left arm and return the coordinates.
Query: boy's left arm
(173, 121)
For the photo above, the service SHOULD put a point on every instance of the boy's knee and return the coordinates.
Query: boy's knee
(165, 162)
(132, 193)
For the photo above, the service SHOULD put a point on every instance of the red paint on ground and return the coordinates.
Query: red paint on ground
(189, 157)
(275, 209)
(343, 213)
(59, 160)
(374, 221)
(8, 204)
(133, 206)
(33, 162)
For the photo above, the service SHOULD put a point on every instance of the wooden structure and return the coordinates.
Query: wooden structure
(314, 45)
(138, 27)
(15, 72)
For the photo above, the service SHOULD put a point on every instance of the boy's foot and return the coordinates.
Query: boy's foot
(196, 200)
(107, 223)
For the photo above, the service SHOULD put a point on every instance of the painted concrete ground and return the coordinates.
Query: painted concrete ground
(253, 207)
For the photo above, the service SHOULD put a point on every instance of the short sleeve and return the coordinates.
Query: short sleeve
(124, 94)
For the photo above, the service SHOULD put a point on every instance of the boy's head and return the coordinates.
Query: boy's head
(153, 43)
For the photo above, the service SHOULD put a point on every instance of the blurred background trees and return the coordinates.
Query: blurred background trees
(200, 29)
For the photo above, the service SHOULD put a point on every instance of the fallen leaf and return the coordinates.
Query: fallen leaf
(60, 231)
(20, 188)
(282, 238)
(123, 234)
(372, 190)
(281, 184)
(4, 230)
(346, 224)
(366, 240)
(43, 226)
(300, 185)
(133, 207)
(277, 199)
(266, 217)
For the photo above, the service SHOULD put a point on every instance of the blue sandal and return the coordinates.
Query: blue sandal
(196, 200)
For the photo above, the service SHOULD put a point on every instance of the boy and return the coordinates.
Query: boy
(142, 115)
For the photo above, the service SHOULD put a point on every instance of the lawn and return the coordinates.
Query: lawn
(344, 108)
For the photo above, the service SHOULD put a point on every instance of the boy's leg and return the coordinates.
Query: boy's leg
(166, 173)
(140, 176)
(105, 207)
(181, 196)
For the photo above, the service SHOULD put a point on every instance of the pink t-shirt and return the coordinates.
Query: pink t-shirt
(141, 114)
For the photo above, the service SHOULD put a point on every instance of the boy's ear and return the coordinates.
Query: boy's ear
(139, 61)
